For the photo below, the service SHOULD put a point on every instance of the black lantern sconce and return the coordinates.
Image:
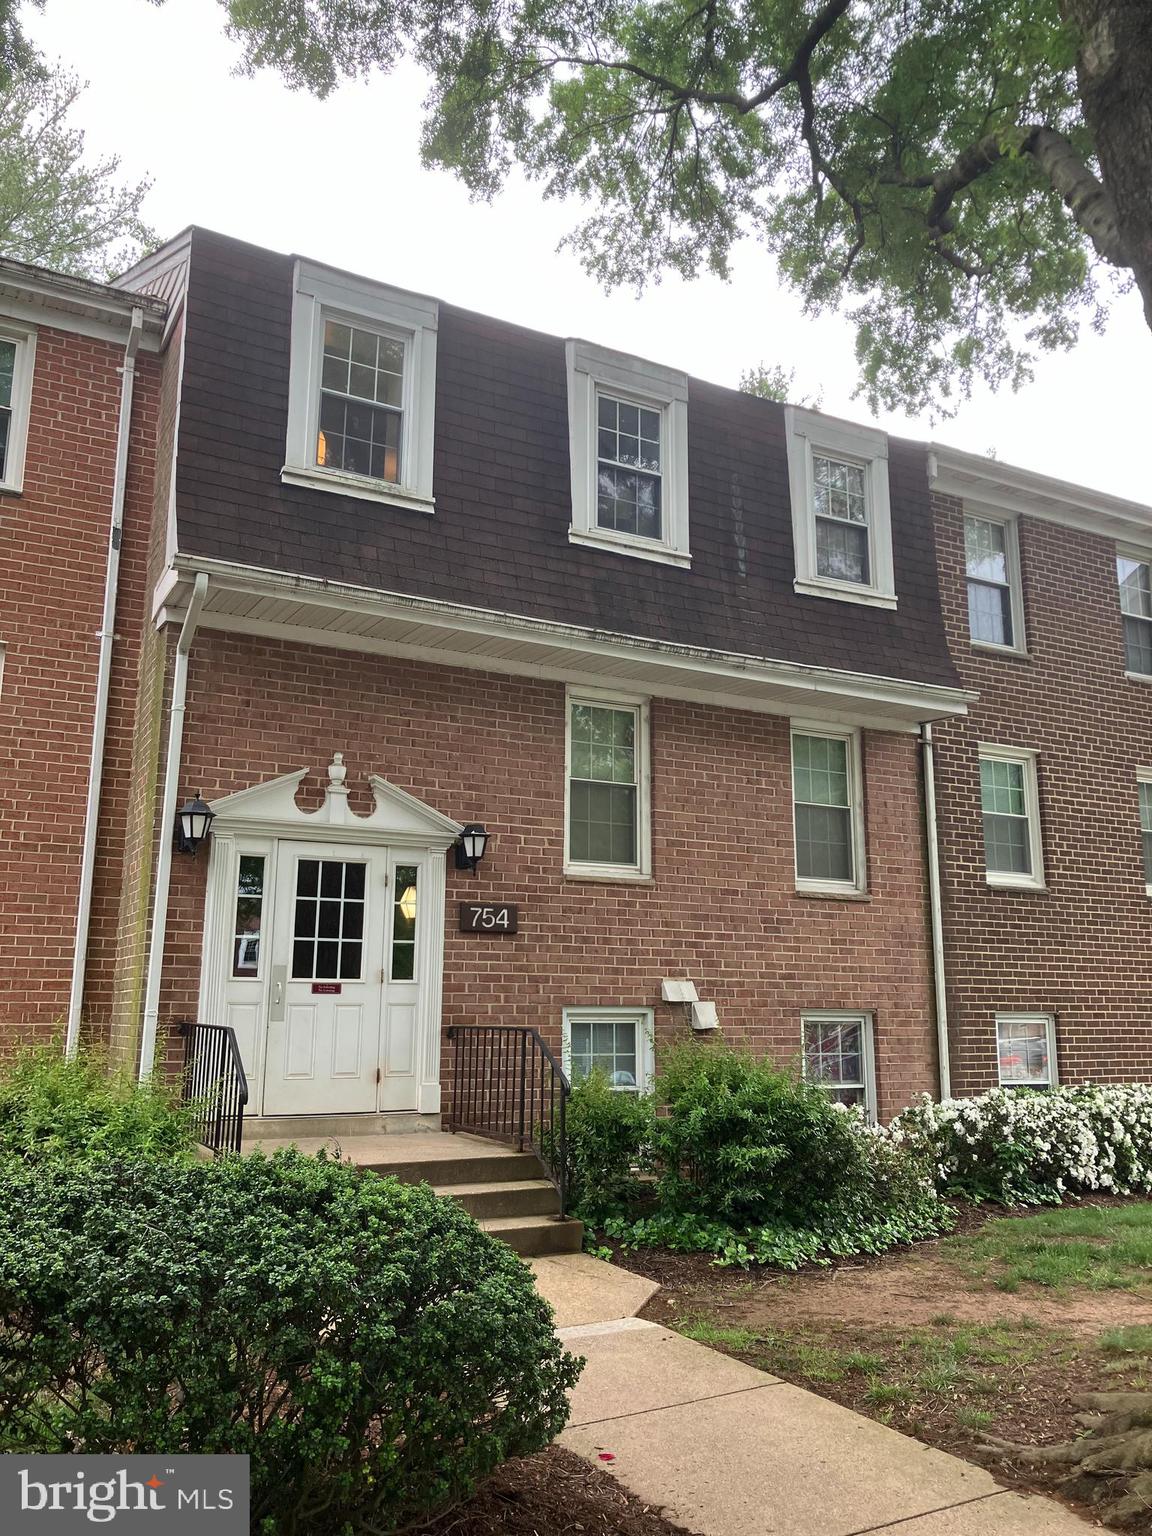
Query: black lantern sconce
(193, 822)
(471, 846)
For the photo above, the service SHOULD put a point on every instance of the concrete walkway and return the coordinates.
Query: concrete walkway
(727, 1450)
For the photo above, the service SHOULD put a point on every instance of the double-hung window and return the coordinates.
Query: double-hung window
(1026, 1050)
(995, 610)
(838, 1057)
(1010, 807)
(1134, 575)
(628, 439)
(1144, 790)
(841, 518)
(17, 358)
(362, 389)
(607, 821)
(827, 806)
(614, 1041)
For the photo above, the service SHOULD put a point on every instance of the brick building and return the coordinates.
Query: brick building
(399, 570)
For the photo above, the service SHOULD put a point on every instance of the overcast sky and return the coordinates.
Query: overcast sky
(341, 181)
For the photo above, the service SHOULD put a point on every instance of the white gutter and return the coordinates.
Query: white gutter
(167, 828)
(103, 683)
(935, 910)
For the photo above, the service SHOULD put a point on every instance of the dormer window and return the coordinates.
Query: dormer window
(628, 438)
(841, 520)
(362, 389)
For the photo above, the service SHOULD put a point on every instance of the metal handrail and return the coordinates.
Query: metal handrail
(214, 1084)
(507, 1085)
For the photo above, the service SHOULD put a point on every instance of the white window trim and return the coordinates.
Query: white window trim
(809, 432)
(1144, 557)
(645, 384)
(1049, 1022)
(1143, 776)
(854, 1016)
(320, 293)
(645, 1040)
(1011, 528)
(1004, 879)
(25, 367)
(642, 869)
(851, 735)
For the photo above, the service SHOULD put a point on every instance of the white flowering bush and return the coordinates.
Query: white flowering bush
(1021, 1146)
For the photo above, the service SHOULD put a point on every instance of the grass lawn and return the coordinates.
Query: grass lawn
(996, 1330)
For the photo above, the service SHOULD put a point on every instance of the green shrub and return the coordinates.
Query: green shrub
(54, 1107)
(609, 1143)
(747, 1144)
(364, 1342)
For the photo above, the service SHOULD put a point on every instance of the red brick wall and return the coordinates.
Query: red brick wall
(1082, 949)
(53, 544)
(722, 908)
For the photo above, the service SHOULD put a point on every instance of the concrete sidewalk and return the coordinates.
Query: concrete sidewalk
(727, 1450)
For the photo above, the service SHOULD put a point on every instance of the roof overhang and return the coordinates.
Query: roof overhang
(41, 297)
(251, 601)
(1023, 493)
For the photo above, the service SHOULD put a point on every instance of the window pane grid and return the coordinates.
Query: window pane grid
(1146, 828)
(822, 809)
(840, 505)
(404, 908)
(1007, 828)
(7, 380)
(328, 926)
(834, 1058)
(603, 791)
(249, 918)
(362, 381)
(606, 1045)
(629, 469)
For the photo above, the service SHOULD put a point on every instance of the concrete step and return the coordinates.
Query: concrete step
(444, 1173)
(285, 1128)
(531, 1236)
(516, 1197)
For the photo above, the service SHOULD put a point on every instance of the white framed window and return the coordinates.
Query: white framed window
(1010, 808)
(628, 442)
(838, 1056)
(992, 567)
(1134, 576)
(362, 389)
(1026, 1050)
(607, 831)
(1144, 791)
(841, 517)
(17, 365)
(828, 809)
(615, 1041)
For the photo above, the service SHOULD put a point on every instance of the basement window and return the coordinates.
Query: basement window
(614, 1041)
(838, 1057)
(1026, 1047)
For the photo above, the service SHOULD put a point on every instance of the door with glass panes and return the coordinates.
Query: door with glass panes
(343, 988)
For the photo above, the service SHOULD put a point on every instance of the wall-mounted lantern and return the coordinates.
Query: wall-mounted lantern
(193, 823)
(471, 846)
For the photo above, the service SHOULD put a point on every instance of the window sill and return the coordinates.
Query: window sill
(817, 893)
(1010, 652)
(1002, 883)
(18, 490)
(624, 544)
(844, 592)
(1139, 677)
(358, 486)
(598, 874)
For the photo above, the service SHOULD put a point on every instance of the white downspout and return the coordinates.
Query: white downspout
(167, 825)
(103, 683)
(935, 908)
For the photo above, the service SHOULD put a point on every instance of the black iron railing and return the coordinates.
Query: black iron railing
(508, 1085)
(214, 1084)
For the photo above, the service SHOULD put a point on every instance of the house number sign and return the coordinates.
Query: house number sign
(497, 917)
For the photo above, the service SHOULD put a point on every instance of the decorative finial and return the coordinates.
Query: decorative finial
(337, 772)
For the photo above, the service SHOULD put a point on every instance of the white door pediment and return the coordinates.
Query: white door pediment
(396, 817)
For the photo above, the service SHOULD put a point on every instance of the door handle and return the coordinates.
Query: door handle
(279, 981)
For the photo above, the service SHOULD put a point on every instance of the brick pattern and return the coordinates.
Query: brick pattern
(1082, 949)
(721, 909)
(53, 544)
(503, 505)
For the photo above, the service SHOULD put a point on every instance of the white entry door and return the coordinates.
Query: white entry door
(325, 983)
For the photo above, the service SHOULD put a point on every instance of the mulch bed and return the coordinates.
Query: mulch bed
(552, 1494)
